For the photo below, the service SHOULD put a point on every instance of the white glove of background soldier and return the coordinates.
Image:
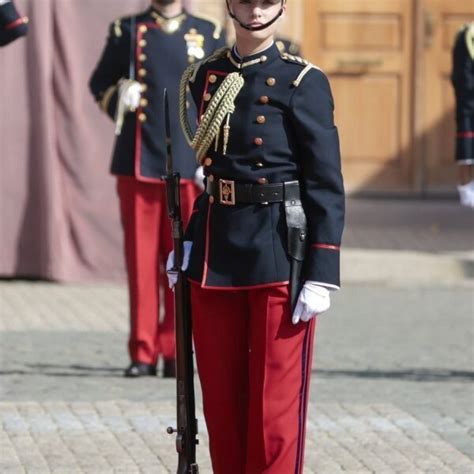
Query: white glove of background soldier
(312, 300)
(173, 275)
(130, 93)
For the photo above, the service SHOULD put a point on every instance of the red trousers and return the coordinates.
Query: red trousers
(254, 366)
(148, 241)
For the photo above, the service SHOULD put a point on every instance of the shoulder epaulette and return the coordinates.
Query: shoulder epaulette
(294, 59)
(302, 62)
(218, 54)
(215, 23)
(118, 28)
(118, 23)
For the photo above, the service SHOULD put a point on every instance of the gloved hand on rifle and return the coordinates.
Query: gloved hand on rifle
(312, 300)
(173, 274)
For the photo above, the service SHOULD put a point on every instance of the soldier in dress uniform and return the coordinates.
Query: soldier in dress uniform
(263, 240)
(12, 25)
(462, 78)
(144, 54)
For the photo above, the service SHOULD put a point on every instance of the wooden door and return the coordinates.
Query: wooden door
(366, 48)
(441, 19)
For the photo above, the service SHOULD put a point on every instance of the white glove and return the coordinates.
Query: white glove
(312, 300)
(3, 2)
(173, 274)
(199, 178)
(130, 93)
(466, 194)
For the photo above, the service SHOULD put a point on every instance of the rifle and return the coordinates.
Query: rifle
(186, 432)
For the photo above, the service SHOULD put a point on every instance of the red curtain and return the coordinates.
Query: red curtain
(58, 207)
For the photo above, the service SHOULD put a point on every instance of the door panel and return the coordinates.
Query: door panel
(380, 94)
(366, 49)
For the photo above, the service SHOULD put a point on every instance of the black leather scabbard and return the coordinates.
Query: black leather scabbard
(297, 237)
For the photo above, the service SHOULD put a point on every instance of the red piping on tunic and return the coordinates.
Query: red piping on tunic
(17, 22)
(465, 134)
(326, 246)
(217, 73)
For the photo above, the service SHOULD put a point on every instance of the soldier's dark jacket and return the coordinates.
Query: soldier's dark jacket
(462, 78)
(162, 49)
(12, 25)
(282, 130)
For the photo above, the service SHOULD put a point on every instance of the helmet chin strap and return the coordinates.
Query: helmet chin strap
(255, 28)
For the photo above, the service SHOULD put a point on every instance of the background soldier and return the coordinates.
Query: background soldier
(12, 25)
(274, 203)
(463, 81)
(287, 46)
(145, 54)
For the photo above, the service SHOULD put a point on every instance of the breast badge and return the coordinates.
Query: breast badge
(194, 44)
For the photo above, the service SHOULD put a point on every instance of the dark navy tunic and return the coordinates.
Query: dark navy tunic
(463, 81)
(162, 49)
(281, 130)
(12, 25)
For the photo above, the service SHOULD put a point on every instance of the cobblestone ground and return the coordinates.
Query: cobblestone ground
(392, 390)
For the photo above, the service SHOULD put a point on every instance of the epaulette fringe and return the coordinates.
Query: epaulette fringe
(298, 60)
(118, 23)
(294, 59)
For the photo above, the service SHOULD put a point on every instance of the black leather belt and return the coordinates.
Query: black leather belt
(229, 193)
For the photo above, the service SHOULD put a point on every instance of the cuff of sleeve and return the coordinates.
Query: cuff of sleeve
(16, 23)
(323, 265)
(326, 285)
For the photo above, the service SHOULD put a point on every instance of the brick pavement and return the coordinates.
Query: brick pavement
(129, 437)
(392, 392)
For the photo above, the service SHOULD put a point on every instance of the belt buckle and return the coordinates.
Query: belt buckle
(227, 192)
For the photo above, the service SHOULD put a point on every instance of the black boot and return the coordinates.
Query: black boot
(139, 369)
(169, 368)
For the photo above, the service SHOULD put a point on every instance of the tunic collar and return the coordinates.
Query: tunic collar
(168, 25)
(261, 57)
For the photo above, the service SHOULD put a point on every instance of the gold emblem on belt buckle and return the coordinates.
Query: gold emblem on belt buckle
(227, 192)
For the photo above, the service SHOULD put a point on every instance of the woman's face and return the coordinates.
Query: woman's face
(255, 13)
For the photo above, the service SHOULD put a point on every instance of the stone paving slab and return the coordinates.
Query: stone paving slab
(123, 436)
(423, 225)
(54, 307)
